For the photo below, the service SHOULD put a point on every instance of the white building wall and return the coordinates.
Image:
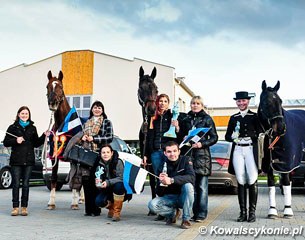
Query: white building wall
(183, 97)
(26, 85)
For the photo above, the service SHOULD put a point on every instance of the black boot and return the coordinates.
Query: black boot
(242, 199)
(252, 202)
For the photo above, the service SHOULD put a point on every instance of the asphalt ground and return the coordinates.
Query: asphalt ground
(64, 223)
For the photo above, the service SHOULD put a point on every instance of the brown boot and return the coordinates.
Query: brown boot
(117, 206)
(24, 211)
(15, 212)
(110, 208)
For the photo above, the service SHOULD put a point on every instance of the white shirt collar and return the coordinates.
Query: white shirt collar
(244, 113)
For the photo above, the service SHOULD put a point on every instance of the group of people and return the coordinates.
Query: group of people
(182, 181)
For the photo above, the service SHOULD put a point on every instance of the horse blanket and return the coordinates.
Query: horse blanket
(289, 150)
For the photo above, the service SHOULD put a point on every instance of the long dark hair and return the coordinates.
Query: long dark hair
(98, 104)
(20, 110)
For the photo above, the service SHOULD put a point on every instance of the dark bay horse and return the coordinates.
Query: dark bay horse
(147, 95)
(59, 106)
(283, 145)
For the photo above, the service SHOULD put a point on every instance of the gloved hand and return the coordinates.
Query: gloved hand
(235, 136)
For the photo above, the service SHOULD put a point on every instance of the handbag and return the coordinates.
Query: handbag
(83, 156)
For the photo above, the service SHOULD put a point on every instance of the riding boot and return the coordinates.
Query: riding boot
(242, 199)
(288, 213)
(252, 201)
(117, 206)
(110, 209)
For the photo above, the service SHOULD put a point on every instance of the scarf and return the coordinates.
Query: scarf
(23, 124)
(92, 128)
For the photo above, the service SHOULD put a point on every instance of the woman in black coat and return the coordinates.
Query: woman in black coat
(22, 137)
(200, 152)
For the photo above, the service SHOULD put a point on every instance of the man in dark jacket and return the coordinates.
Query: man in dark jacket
(175, 187)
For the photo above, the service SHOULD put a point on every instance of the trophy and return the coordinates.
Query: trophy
(164, 170)
(236, 132)
(98, 173)
(171, 131)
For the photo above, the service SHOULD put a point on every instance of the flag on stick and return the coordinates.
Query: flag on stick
(133, 178)
(72, 121)
(194, 136)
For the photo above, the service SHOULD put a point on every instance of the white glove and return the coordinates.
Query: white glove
(234, 135)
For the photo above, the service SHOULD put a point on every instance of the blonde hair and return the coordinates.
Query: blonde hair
(199, 99)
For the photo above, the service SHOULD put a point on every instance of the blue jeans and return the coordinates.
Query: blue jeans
(24, 173)
(106, 194)
(157, 161)
(200, 207)
(166, 205)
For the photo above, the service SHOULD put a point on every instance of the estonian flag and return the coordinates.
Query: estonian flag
(72, 121)
(133, 178)
(194, 136)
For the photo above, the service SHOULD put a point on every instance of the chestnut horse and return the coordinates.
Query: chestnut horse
(283, 146)
(59, 105)
(147, 95)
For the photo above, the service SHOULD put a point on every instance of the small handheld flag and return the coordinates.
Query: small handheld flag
(133, 178)
(194, 136)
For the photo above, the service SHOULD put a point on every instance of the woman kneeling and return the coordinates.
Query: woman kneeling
(109, 180)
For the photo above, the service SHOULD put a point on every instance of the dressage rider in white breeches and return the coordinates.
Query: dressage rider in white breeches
(243, 130)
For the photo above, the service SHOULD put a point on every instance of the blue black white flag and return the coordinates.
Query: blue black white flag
(72, 121)
(133, 178)
(194, 136)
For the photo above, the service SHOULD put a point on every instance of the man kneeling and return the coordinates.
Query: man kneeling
(176, 189)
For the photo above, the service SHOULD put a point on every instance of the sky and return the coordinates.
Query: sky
(217, 46)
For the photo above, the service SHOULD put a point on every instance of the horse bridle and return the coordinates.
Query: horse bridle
(143, 103)
(57, 102)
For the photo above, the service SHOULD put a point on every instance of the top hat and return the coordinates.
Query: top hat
(242, 95)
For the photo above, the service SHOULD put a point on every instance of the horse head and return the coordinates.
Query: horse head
(55, 91)
(270, 109)
(147, 92)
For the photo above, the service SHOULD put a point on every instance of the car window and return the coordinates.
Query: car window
(123, 145)
(4, 150)
(115, 145)
(220, 150)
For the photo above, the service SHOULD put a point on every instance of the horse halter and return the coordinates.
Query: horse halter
(55, 99)
(143, 103)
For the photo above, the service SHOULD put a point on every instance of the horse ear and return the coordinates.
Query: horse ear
(153, 73)
(277, 86)
(141, 72)
(264, 85)
(50, 75)
(60, 76)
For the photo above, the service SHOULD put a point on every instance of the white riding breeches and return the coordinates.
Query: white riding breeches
(244, 165)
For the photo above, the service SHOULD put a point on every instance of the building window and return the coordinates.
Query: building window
(82, 103)
(182, 105)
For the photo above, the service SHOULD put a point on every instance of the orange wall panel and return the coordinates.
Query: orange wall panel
(77, 67)
(221, 121)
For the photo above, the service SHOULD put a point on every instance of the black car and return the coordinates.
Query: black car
(5, 169)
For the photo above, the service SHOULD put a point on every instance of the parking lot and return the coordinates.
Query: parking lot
(64, 223)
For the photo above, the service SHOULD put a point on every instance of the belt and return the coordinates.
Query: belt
(244, 144)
